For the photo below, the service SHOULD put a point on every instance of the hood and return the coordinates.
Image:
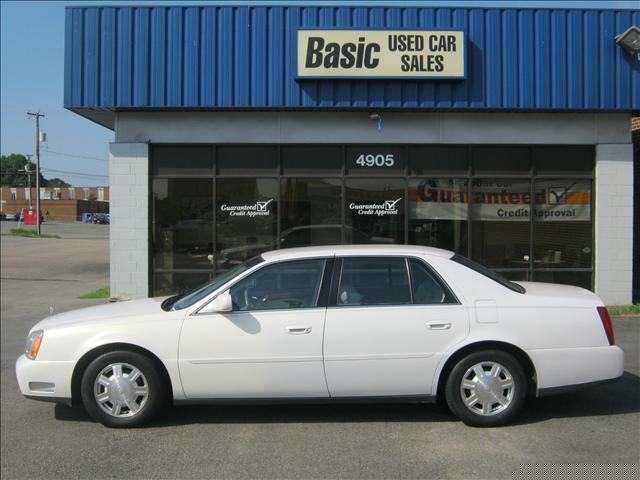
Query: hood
(118, 310)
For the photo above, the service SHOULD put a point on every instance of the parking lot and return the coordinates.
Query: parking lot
(592, 431)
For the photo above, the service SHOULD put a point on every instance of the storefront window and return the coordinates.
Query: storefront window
(182, 160)
(375, 160)
(246, 213)
(430, 160)
(438, 212)
(500, 214)
(247, 160)
(174, 283)
(524, 211)
(311, 212)
(314, 160)
(501, 160)
(374, 210)
(562, 230)
(182, 223)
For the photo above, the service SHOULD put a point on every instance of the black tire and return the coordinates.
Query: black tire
(155, 400)
(454, 395)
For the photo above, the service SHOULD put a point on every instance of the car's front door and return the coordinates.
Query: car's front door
(270, 345)
(391, 320)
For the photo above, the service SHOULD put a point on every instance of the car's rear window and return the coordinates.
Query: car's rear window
(482, 270)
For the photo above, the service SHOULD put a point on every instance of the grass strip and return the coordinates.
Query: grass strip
(103, 292)
(25, 232)
(616, 310)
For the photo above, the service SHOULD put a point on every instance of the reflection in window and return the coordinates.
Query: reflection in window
(579, 279)
(182, 223)
(246, 210)
(438, 213)
(374, 281)
(500, 213)
(283, 285)
(374, 211)
(176, 283)
(311, 212)
(562, 231)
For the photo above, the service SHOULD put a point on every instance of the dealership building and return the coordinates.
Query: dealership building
(500, 133)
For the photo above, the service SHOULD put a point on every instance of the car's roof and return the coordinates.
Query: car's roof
(343, 250)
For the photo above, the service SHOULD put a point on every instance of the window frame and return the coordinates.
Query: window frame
(321, 296)
(337, 279)
(436, 277)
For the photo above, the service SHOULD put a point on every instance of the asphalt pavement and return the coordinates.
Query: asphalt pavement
(591, 433)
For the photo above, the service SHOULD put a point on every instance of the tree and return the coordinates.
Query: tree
(56, 182)
(12, 173)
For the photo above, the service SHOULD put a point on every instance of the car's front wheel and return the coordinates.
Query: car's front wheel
(486, 388)
(122, 389)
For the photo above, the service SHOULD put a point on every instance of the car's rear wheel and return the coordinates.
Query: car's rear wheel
(486, 388)
(122, 389)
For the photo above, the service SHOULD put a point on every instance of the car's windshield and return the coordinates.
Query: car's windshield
(189, 298)
(496, 277)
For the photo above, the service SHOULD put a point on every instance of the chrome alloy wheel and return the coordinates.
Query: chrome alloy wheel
(121, 390)
(487, 388)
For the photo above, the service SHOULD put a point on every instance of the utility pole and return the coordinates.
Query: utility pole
(37, 115)
(26, 168)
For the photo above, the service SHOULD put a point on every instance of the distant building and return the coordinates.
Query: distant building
(65, 204)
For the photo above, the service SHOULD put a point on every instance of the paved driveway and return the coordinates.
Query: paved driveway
(575, 432)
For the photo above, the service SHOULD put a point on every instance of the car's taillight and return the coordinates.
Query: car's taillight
(606, 323)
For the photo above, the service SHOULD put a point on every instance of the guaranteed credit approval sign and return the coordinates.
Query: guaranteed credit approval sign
(396, 54)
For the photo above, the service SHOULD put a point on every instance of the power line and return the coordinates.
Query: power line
(86, 157)
(75, 173)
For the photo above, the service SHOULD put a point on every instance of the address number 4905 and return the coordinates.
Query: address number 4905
(379, 160)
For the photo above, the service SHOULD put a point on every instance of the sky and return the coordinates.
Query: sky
(31, 79)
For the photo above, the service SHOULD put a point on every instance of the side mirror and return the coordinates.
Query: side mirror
(221, 304)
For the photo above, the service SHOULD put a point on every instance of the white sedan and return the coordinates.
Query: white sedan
(396, 323)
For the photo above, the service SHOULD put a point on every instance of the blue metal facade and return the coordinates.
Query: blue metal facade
(238, 57)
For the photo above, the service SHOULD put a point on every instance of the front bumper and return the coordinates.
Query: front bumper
(557, 368)
(43, 380)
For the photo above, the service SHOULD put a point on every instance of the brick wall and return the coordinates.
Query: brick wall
(66, 193)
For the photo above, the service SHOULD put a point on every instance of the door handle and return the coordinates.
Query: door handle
(298, 330)
(439, 325)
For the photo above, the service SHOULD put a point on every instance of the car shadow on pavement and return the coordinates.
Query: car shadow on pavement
(617, 398)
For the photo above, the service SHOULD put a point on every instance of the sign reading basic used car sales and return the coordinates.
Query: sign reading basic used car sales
(381, 54)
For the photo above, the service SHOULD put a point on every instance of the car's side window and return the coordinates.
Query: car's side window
(374, 281)
(427, 289)
(284, 285)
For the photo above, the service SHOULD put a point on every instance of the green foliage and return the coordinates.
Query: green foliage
(12, 173)
(103, 292)
(56, 182)
(92, 197)
(615, 310)
(25, 232)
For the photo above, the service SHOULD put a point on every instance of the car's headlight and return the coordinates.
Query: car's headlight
(34, 340)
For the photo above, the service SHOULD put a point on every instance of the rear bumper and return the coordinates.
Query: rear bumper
(546, 392)
(42, 380)
(562, 369)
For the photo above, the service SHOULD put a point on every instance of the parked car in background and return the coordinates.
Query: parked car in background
(101, 218)
(13, 216)
(3, 216)
(333, 323)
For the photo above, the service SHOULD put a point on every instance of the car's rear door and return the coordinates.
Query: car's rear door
(270, 345)
(387, 325)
